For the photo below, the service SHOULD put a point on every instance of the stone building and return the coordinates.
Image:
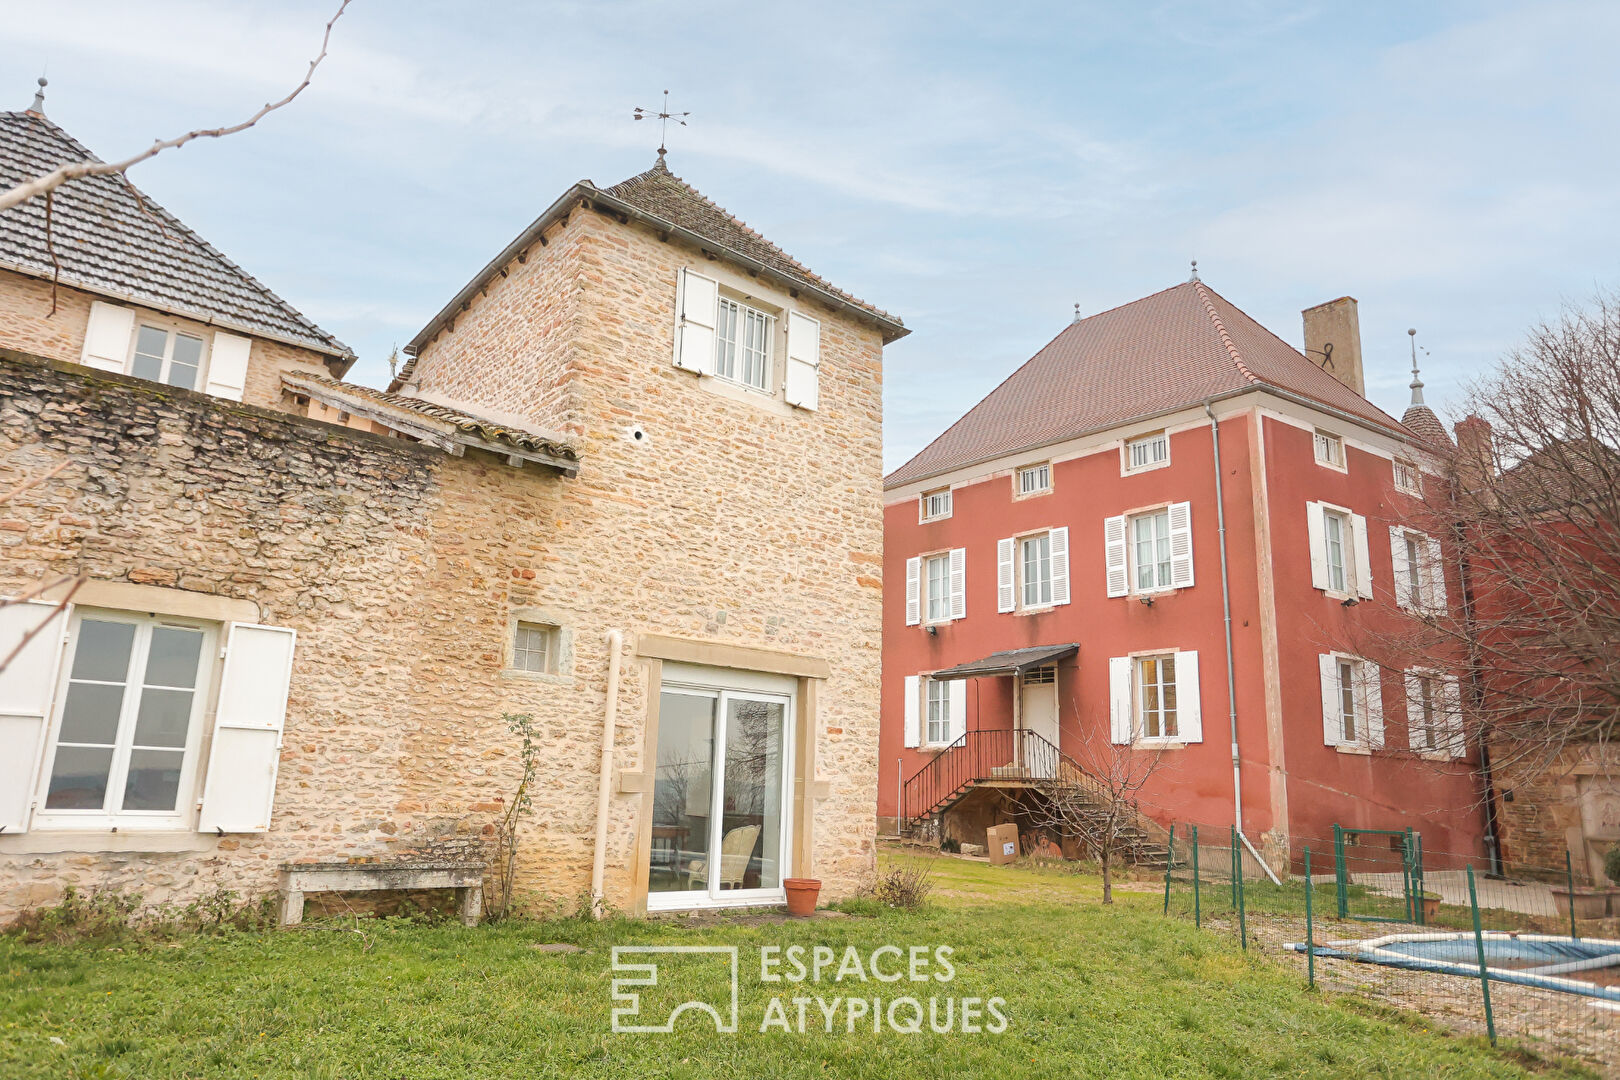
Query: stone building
(628, 483)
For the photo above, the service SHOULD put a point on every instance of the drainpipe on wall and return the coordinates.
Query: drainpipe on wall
(1231, 683)
(604, 788)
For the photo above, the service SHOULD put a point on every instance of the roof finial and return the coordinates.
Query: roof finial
(1077, 311)
(39, 98)
(1417, 383)
(663, 116)
(1194, 271)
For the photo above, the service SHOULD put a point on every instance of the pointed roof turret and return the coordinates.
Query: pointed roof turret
(1419, 418)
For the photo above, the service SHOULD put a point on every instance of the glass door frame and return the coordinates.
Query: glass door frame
(712, 896)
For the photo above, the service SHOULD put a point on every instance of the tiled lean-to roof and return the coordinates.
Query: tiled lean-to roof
(1175, 348)
(439, 423)
(107, 243)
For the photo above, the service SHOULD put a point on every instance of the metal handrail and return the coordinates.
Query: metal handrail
(995, 754)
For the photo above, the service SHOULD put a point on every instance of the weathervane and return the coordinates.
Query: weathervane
(664, 116)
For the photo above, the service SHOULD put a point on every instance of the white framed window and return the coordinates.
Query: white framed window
(742, 344)
(1150, 550)
(936, 587)
(128, 721)
(1420, 581)
(166, 355)
(1155, 699)
(1147, 452)
(1329, 449)
(934, 505)
(1035, 479)
(1434, 713)
(937, 584)
(1352, 702)
(536, 648)
(1340, 563)
(1408, 479)
(1035, 570)
(936, 711)
(1341, 573)
(939, 713)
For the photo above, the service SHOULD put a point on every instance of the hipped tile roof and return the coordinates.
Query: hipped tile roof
(1163, 352)
(108, 244)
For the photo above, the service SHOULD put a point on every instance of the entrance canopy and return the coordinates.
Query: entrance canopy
(1012, 662)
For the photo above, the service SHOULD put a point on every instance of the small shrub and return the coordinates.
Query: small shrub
(950, 845)
(905, 887)
(1611, 864)
(109, 915)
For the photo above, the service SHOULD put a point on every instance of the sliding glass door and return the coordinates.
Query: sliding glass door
(720, 798)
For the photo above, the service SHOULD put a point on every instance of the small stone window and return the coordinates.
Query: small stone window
(536, 648)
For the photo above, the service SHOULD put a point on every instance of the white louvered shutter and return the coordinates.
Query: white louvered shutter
(228, 365)
(246, 748)
(1435, 576)
(1372, 693)
(1181, 551)
(1120, 721)
(1316, 529)
(803, 387)
(1416, 737)
(26, 687)
(1403, 569)
(1332, 730)
(913, 710)
(1006, 594)
(913, 591)
(696, 300)
(959, 583)
(1060, 565)
(1451, 712)
(1115, 565)
(106, 338)
(1189, 698)
(958, 694)
(1358, 535)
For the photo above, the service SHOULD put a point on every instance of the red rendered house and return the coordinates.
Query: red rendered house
(1163, 535)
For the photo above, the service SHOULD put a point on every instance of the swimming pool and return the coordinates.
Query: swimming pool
(1584, 966)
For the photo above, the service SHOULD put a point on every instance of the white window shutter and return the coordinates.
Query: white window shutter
(1189, 698)
(106, 338)
(803, 386)
(696, 299)
(1403, 570)
(1114, 560)
(246, 748)
(1316, 529)
(913, 591)
(959, 583)
(1435, 576)
(1181, 552)
(1006, 595)
(958, 709)
(913, 710)
(1452, 716)
(1332, 729)
(1372, 693)
(1060, 565)
(1358, 535)
(26, 687)
(228, 365)
(1417, 738)
(1120, 721)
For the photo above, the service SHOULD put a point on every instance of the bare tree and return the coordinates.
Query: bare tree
(1530, 516)
(1092, 799)
(74, 170)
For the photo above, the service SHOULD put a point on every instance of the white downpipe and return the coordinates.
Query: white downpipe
(1231, 678)
(604, 787)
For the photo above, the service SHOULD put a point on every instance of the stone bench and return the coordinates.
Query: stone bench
(467, 878)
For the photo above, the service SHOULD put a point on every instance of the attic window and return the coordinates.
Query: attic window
(1407, 478)
(1329, 449)
(1035, 479)
(934, 505)
(1147, 452)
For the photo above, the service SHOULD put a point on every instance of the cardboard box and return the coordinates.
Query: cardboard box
(1003, 843)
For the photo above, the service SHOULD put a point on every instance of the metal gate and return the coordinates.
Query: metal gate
(1386, 895)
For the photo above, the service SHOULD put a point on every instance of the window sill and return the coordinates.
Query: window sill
(1350, 748)
(1341, 597)
(1042, 610)
(43, 840)
(930, 521)
(1168, 590)
(557, 678)
(1127, 471)
(1335, 467)
(1031, 494)
(1160, 744)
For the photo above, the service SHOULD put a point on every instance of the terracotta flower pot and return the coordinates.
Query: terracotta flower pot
(801, 896)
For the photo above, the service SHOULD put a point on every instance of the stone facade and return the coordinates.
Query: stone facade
(1543, 810)
(735, 522)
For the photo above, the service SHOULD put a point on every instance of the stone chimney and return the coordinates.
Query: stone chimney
(1476, 454)
(1333, 341)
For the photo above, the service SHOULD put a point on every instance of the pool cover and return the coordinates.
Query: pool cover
(1540, 960)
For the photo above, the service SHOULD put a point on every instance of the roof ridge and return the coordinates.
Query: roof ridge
(1225, 336)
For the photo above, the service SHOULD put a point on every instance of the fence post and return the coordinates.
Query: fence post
(1198, 915)
(1341, 894)
(1406, 877)
(1169, 865)
(1423, 919)
(1569, 883)
(1310, 934)
(1243, 926)
(1479, 949)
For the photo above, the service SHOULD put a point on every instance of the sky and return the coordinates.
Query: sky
(977, 169)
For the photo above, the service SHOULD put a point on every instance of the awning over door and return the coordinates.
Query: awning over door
(1012, 662)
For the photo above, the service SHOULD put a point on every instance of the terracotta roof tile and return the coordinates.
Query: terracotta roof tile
(1162, 352)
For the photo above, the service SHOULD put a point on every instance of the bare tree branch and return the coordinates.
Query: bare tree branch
(43, 185)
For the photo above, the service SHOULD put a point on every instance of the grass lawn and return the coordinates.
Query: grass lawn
(1089, 991)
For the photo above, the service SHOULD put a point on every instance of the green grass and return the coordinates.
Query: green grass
(1090, 992)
